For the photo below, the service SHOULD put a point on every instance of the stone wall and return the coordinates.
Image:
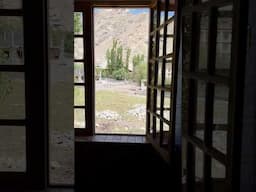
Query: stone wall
(61, 91)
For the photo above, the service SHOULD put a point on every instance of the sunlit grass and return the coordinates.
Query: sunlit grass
(117, 101)
(121, 103)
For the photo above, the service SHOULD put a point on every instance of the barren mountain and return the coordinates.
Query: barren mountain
(129, 28)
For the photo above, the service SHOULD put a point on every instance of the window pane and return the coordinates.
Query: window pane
(162, 12)
(12, 97)
(170, 28)
(200, 109)
(79, 72)
(218, 169)
(203, 43)
(171, 14)
(78, 23)
(160, 69)
(166, 134)
(12, 149)
(79, 116)
(169, 45)
(11, 4)
(170, 39)
(168, 73)
(158, 124)
(161, 42)
(199, 169)
(79, 48)
(220, 117)
(166, 127)
(151, 123)
(11, 40)
(167, 105)
(218, 176)
(158, 102)
(224, 40)
(79, 97)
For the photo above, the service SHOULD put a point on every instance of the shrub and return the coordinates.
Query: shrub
(140, 72)
(119, 74)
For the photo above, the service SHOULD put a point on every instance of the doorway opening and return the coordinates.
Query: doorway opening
(120, 60)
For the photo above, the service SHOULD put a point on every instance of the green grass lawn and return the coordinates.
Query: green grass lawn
(117, 101)
(121, 103)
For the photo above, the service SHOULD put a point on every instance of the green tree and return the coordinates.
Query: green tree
(140, 72)
(127, 59)
(139, 68)
(137, 59)
(119, 74)
(114, 57)
(119, 58)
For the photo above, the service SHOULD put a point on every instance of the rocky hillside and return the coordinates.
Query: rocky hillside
(130, 29)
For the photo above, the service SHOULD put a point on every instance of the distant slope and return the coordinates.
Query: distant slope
(131, 29)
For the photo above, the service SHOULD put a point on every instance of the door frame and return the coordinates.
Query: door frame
(88, 35)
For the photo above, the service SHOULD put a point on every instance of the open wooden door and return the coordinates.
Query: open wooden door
(161, 78)
(213, 49)
(23, 100)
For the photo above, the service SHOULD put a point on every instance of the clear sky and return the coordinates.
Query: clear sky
(132, 11)
(137, 11)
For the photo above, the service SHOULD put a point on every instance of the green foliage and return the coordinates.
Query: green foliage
(119, 74)
(139, 68)
(104, 73)
(77, 23)
(78, 66)
(127, 59)
(98, 73)
(140, 72)
(137, 59)
(115, 64)
(118, 68)
(98, 70)
(114, 57)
